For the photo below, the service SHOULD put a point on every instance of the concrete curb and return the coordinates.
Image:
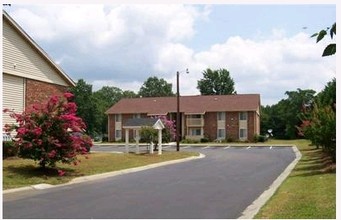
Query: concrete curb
(254, 208)
(131, 170)
(103, 175)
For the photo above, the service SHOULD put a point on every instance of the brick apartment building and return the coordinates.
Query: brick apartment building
(216, 117)
(29, 74)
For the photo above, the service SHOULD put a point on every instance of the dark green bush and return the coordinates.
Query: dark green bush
(189, 141)
(260, 138)
(229, 139)
(204, 140)
(9, 149)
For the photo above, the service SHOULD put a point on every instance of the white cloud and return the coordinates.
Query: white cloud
(122, 45)
(269, 67)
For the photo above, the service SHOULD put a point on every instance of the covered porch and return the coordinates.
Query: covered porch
(136, 124)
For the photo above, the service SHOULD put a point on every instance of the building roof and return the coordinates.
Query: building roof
(188, 104)
(143, 122)
(21, 31)
(135, 122)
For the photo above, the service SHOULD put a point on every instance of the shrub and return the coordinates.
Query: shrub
(189, 141)
(204, 140)
(45, 132)
(260, 138)
(229, 139)
(148, 134)
(9, 149)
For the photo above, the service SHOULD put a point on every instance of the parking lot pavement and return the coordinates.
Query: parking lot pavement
(143, 147)
(221, 185)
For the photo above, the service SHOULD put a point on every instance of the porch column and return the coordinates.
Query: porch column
(127, 140)
(137, 139)
(160, 141)
(151, 148)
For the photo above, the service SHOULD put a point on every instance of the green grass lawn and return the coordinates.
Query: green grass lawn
(19, 172)
(309, 192)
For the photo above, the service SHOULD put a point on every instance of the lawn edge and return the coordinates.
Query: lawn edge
(103, 175)
(256, 205)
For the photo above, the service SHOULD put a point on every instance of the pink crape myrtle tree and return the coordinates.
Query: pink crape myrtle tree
(169, 133)
(45, 132)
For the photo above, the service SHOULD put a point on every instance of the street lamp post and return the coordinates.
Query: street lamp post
(178, 111)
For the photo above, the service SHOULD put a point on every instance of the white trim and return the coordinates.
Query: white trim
(27, 76)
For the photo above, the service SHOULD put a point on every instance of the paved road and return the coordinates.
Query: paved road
(221, 185)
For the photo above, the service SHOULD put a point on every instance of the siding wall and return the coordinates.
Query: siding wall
(21, 59)
(13, 93)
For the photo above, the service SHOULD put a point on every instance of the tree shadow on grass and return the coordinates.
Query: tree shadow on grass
(315, 163)
(31, 171)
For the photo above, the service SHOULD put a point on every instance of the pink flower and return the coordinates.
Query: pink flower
(38, 131)
(52, 154)
(54, 100)
(68, 95)
(22, 131)
(71, 107)
(61, 173)
(27, 145)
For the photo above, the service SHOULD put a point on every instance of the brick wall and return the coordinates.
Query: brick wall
(111, 127)
(232, 125)
(251, 125)
(210, 126)
(38, 92)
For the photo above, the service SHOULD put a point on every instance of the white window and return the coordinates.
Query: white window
(221, 116)
(242, 133)
(194, 131)
(137, 116)
(221, 134)
(118, 134)
(118, 118)
(243, 116)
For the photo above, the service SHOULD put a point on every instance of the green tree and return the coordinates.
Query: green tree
(327, 97)
(104, 99)
(331, 48)
(285, 116)
(156, 87)
(295, 108)
(87, 109)
(319, 125)
(321, 129)
(129, 94)
(216, 82)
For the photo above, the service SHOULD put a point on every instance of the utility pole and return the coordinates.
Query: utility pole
(177, 113)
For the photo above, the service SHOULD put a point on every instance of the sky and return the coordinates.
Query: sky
(266, 48)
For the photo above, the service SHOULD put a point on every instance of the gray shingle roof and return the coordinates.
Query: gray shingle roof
(140, 122)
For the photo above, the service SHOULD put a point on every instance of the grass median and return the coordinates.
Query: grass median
(20, 172)
(309, 192)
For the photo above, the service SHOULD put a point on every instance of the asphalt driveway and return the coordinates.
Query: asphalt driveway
(221, 185)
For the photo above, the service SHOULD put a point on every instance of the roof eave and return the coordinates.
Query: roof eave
(38, 48)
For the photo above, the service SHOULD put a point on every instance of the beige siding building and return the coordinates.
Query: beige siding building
(29, 75)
